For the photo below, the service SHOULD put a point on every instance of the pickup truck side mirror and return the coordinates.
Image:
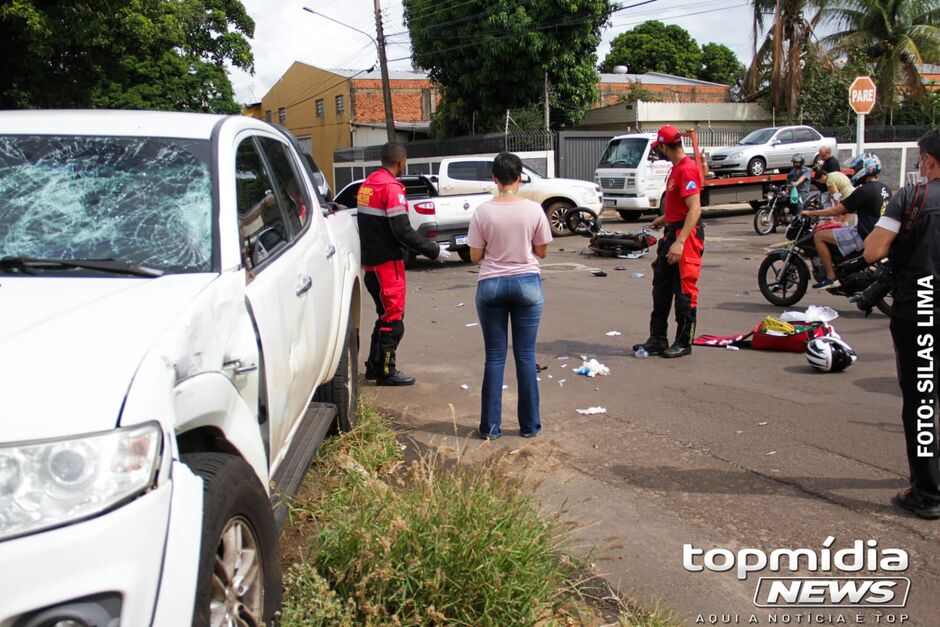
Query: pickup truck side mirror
(525, 178)
(433, 178)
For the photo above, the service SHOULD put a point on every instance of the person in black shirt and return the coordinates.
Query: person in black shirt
(827, 163)
(909, 234)
(868, 202)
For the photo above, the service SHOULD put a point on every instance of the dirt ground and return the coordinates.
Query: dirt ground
(721, 449)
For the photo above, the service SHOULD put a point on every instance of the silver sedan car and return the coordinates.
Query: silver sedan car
(769, 149)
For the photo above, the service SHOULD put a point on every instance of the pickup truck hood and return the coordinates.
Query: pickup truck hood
(69, 347)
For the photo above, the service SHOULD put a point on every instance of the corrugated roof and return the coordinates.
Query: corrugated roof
(393, 75)
(655, 78)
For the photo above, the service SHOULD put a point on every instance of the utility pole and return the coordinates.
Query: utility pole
(383, 64)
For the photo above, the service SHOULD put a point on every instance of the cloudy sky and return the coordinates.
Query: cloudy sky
(285, 33)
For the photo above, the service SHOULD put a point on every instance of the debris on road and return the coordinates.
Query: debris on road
(471, 324)
(732, 348)
(598, 273)
(614, 333)
(563, 357)
(464, 387)
(762, 424)
(460, 304)
(592, 410)
(772, 453)
(561, 382)
(540, 367)
(619, 268)
(593, 368)
(637, 275)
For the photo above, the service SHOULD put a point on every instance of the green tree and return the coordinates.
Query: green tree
(130, 54)
(896, 35)
(777, 63)
(720, 65)
(655, 47)
(492, 55)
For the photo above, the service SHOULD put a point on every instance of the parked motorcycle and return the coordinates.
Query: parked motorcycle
(785, 273)
(778, 211)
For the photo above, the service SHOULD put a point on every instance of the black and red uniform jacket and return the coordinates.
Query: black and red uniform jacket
(384, 228)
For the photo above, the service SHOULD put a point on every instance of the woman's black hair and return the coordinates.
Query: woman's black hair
(507, 168)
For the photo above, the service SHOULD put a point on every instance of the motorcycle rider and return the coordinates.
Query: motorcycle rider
(909, 234)
(867, 202)
(837, 186)
(798, 177)
(679, 253)
(384, 229)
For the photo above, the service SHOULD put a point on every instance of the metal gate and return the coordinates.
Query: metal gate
(579, 152)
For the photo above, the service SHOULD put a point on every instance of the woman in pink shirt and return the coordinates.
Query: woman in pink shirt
(507, 236)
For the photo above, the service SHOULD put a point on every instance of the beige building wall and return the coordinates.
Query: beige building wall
(292, 103)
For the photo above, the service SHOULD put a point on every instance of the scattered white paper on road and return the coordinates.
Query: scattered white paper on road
(592, 410)
(464, 387)
(471, 324)
(614, 333)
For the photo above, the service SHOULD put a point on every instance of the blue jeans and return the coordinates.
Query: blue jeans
(516, 300)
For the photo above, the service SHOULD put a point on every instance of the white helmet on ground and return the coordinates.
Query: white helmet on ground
(829, 354)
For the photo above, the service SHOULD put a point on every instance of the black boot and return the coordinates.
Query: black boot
(396, 379)
(653, 345)
(677, 350)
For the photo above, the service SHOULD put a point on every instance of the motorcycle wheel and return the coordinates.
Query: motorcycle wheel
(582, 221)
(782, 284)
(764, 222)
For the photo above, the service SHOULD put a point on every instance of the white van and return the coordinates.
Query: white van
(632, 179)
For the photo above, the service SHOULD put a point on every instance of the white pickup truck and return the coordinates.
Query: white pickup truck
(180, 321)
(445, 219)
(468, 175)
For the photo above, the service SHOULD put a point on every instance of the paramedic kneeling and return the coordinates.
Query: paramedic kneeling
(678, 260)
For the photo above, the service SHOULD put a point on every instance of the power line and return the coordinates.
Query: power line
(677, 17)
(527, 31)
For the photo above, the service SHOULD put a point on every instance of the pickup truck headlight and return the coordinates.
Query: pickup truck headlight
(50, 483)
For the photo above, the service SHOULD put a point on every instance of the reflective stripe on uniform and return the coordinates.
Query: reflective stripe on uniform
(391, 212)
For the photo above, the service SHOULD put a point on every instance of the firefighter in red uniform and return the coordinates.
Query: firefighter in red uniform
(679, 255)
(385, 232)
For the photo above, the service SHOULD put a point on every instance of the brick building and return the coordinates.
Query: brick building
(330, 109)
(665, 87)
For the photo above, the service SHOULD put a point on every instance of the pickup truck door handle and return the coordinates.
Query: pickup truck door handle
(330, 251)
(304, 286)
(238, 367)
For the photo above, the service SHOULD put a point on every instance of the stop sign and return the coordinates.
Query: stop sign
(862, 95)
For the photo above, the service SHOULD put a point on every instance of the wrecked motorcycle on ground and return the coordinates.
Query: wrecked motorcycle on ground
(585, 222)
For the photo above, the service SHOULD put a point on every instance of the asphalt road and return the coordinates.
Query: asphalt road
(720, 449)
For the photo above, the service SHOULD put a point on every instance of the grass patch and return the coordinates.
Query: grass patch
(426, 544)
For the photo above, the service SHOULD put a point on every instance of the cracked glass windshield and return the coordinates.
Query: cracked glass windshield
(144, 201)
(623, 153)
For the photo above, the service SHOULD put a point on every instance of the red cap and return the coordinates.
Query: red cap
(667, 135)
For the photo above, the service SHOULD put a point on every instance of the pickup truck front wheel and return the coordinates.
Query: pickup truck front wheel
(556, 213)
(239, 579)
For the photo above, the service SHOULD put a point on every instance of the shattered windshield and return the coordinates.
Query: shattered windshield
(624, 153)
(145, 201)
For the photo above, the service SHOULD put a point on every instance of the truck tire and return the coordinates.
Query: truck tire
(630, 216)
(239, 577)
(756, 166)
(556, 213)
(343, 389)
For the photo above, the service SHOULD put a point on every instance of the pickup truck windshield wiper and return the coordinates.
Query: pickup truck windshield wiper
(33, 265)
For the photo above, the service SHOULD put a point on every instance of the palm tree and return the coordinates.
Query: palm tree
(897, 36)
(786, 39)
